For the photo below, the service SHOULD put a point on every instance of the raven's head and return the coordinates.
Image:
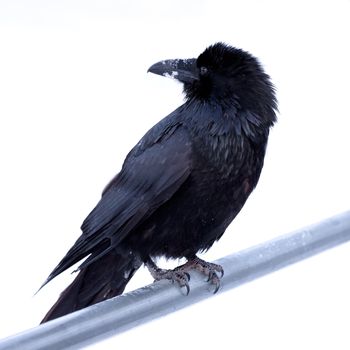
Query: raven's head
(224, 74)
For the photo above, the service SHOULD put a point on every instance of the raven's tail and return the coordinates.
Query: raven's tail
(102, 279)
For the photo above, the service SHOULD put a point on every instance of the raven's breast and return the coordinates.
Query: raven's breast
(193, 219)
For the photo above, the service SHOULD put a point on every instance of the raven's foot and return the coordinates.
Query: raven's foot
(177, 275)
(208, 269)
(181, 273)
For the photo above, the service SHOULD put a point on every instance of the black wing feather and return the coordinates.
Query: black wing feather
(152, 172)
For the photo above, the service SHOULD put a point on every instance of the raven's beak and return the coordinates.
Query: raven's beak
(185, 71)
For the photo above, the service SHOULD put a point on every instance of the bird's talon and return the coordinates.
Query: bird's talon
(216, 288)
(208, 269)
(210, 276)
(187, 288)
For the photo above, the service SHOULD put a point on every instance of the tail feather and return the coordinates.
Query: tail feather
(101, 280)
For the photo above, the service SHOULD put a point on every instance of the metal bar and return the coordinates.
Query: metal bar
(129, 310)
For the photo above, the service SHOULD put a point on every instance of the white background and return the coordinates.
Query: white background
(75, 97)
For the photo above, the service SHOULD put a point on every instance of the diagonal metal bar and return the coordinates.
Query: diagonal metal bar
(129, 310)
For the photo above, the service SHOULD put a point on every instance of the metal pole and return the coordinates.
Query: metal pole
(126, 311)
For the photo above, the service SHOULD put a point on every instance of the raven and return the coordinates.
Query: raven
(182, 184)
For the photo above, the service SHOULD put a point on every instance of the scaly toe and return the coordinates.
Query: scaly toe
(208, 269)
(180, 277)
(214, 280)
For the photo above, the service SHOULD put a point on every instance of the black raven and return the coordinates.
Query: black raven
(182, 184)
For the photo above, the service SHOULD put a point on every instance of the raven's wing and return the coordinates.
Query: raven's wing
(152, 172)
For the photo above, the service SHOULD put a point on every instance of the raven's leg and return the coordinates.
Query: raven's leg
(176, 275)
(181, 275)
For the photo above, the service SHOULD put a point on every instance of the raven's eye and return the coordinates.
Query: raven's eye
(203, 70)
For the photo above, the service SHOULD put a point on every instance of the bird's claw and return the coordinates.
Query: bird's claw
(214, 279)
(187, 288)
(210, 270)
(177, 275)
(181, 276)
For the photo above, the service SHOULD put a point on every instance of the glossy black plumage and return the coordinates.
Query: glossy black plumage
(183, 183)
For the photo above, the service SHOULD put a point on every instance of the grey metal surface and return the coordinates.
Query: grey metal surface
(124, 312)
